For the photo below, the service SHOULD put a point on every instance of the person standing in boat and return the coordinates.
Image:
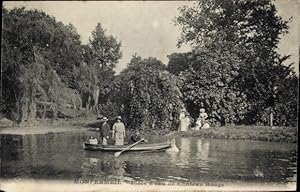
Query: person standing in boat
(104, 131)
(119, 132)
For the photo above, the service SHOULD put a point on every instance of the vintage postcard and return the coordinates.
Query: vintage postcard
(149, 95)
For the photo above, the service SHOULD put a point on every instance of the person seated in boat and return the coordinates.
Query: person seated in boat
(104, 131)
(118, 131)
(93, 140)
(136, 137)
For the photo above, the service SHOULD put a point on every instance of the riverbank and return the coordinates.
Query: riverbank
(50, 126)
(256, 133)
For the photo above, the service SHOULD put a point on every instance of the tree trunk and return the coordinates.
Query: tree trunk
(96, 92)
(88, 103)
(31, 111)
(23, 110)
(271, 119)
(44, 111)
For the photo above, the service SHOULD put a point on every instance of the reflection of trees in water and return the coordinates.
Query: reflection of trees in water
(61, 156)
(94, 168)
(9, 147)
(185, 145)
(52, 155)
(191, 151)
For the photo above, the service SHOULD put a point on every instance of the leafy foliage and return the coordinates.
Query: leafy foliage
(244, 24)
(96, 74)
(241, 37)
(105, 49)
(208, 83)
(233, 69)
(40, 59)
(148, 94)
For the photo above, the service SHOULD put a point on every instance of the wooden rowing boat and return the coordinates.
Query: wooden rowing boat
(138, 147)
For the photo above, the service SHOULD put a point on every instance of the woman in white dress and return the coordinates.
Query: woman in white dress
(119, 132)
(201, 121)
(184, 120)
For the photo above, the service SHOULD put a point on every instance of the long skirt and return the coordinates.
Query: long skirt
(183, 126)
(119, 139)
(198, 124)
(201, 124)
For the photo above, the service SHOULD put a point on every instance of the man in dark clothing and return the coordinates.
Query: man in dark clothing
(104, 131)
(136, 137)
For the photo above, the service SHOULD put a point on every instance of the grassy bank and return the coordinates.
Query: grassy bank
(257, 133)
(48, 126)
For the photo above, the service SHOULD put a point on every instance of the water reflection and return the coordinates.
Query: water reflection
(202, 149)
(184, 154)
(94, 167)
(61, 156)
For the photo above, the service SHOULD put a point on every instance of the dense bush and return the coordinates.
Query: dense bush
(148, 95)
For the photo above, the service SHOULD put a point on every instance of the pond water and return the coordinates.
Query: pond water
(60, 156)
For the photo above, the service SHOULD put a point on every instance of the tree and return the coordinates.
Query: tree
(240, 23)
(248, 31)
(105, 49)
(286, 102)
(179, 62)
(209, 82)
(96, 74)
(149, 95)
(34, 47)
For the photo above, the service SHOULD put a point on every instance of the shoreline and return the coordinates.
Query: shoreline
(252, 133)
(249, 133)
(34, 130)
(48, 126)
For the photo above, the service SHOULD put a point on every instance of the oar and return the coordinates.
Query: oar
(117, 154)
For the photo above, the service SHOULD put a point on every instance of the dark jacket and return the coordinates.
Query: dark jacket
(104, 130)
(135, 138)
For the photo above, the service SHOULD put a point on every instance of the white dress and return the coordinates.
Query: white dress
(201, 123)
(184, 122)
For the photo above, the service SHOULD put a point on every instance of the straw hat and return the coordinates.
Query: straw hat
(119, 117)
(202, 110)
(105, 119)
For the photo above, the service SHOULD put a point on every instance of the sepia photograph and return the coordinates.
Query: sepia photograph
(170, 96)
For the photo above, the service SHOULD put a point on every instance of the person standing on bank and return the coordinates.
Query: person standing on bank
(119, 132)
(104, 131)
(203, 116)
(183, 121)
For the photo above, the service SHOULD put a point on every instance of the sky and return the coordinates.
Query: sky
(146, 27)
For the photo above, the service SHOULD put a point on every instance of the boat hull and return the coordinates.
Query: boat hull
(138, 147)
